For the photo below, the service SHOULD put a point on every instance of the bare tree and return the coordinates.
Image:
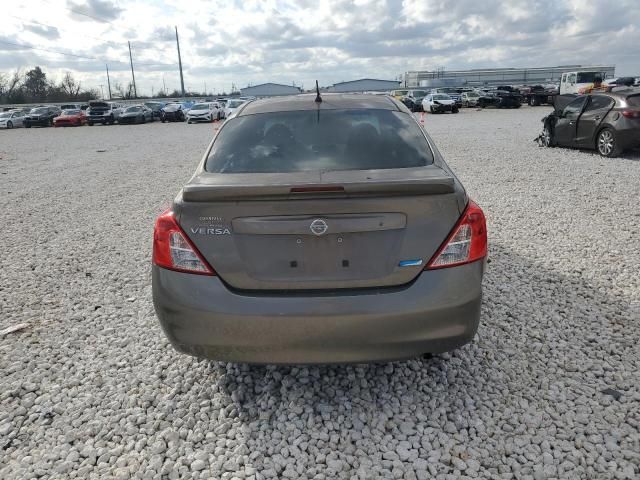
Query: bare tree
(3, 83)
(70, 86)
(14, 82)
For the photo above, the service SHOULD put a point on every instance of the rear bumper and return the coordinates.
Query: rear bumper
(99, 118)
(629, 137)
(197, 119)
(439, 311)
(128, 120)
(444, 108)
(37, 123)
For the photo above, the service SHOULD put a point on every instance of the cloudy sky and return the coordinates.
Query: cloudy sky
(250, 42)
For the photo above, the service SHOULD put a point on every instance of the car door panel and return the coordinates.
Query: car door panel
(589, 122)
(566, 126)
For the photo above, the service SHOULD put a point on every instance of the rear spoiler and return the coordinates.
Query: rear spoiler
(340, 184)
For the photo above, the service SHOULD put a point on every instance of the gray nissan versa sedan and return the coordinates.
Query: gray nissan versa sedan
(320, 230)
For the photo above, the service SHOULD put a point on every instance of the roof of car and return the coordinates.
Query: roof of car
(330, 101)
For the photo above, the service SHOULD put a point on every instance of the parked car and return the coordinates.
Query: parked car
(136, 114)
(399, 93)
(347, 239)
(106, 113)
(11, 119)
(500, 99)
(41, 116)
(469, 99)
(452, 92)
(204, 112)
(413, 100)
(70, 118)
(439, 103)
(156, 108)
(70, 106)
(606, 121)
(172, 112)
(232, 106)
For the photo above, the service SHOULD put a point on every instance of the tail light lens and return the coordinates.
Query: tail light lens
(173, 250)
(466, 243)
(631, 113)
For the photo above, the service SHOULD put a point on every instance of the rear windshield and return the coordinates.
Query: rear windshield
(71, 112)
(39, 110)
(634, 101)
(313, 141)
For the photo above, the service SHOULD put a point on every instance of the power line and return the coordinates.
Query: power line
(84, 57)
(84, 14)
(57, 28)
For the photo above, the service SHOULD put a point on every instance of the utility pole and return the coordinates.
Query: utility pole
(164, 86)
(108, 81)
(133, 76)
(102, 90)
(180, 63)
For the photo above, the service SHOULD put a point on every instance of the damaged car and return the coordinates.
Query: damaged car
(608, 122)
(500, 99)
(439, 103)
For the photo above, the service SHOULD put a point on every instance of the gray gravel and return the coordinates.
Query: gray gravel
(91, 388)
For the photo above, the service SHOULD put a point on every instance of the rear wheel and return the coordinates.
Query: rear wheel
(27, 125)
(431, 109)
(90, 124)
(9, 124)
(143, 119)
(606, 143)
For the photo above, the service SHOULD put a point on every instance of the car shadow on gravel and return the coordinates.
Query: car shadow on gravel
(549, 346)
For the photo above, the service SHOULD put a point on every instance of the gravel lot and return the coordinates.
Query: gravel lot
(91, 388)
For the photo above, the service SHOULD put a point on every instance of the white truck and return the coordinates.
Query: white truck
(579, 82)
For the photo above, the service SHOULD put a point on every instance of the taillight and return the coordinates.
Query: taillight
(173, 250)
(631, 113)
(466, 243)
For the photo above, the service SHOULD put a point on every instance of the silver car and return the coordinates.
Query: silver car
(11, 119)
(320, 230)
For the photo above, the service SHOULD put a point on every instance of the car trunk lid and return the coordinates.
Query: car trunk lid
(319, 230)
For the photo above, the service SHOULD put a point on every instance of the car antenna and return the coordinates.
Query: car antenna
(318, 97)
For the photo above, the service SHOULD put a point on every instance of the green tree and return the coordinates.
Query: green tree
(35, 84)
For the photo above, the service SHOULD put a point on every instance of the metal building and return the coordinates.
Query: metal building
(497, 76)
(269, 90)
(364, 85)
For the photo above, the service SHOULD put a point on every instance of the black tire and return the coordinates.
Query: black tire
(27, 125)
(547, 137)
(454, 110)
(9, 124)
(144, 119)
(607, 143)
(51, 122)
(90, 124)
(431, 109)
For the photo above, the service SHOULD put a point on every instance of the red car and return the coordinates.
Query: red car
(70, 118)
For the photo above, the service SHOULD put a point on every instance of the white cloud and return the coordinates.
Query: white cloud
(234, 41)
